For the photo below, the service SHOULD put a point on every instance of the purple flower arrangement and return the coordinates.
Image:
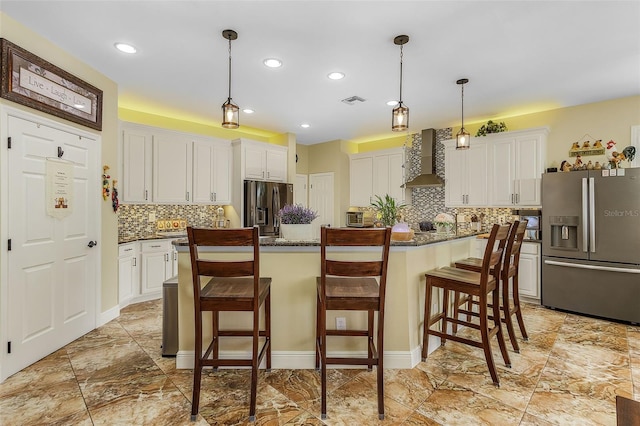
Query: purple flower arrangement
(296, 214)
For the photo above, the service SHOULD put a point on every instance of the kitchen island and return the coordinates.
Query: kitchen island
(293, 266)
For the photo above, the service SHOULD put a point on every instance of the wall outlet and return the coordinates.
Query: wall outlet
(341, 323)
(152, 217)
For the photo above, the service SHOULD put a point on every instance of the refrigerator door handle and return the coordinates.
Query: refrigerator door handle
(592, 267)
(275, 200)
(585, 215)
(592, 214)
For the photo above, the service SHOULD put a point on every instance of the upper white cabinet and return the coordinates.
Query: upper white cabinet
(377, 173)
(163, 166)
(137, 165)
(262, 161)
(516, 167)
(172, 168)
(211, 172)
(501, 169)
(360, 180)
(466, 175)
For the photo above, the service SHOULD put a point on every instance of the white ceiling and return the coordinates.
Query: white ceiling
(520, 57)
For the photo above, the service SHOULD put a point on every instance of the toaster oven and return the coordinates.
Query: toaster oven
(359, 219)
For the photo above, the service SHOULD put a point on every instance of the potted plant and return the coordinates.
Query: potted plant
(295, 222)
(491, 127)
(388, 209)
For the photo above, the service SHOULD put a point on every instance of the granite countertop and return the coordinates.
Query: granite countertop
(420, 239)
(154, 236)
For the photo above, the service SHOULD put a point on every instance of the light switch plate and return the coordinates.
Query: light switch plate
(341, 323)
(152, 217)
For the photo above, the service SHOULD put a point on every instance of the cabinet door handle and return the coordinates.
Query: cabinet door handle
(263, 173)
(517, 198)
(135, 263)
(187, 195)
(175, 256)
(215, 196)
(158, 246)
(166, 257)
(146, 195)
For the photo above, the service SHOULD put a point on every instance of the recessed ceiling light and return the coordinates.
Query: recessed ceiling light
(392, 103)
(336, 75)
(272, 62)
(126, 48)
(248, 111)
(305, 126)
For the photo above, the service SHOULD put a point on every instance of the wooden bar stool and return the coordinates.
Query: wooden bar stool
(231, 286)
(484, 286)
(352, 286)
(508, 274)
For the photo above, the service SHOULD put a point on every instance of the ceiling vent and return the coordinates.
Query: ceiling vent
(352, 100)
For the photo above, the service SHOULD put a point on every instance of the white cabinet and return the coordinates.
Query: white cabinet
(528, 270)
(516, 167)
(360, 180)
(529, 275)
(211, 172)
(128, 272)
(167, 167)
(466, 178)
(157, 265)
(377, 173)
(137, 165)
(172, 168)
(262, 161)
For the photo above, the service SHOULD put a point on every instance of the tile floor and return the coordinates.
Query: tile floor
(568, 373)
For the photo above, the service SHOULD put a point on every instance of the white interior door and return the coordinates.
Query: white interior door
(300, 190)
(52, 271)
(321, 200)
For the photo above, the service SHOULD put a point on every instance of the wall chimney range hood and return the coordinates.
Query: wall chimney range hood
(427, 177)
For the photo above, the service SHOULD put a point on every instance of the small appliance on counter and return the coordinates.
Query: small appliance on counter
(220, 221)
(534, 223)
(359, 219)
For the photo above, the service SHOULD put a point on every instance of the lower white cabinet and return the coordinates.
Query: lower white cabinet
(529, 269)
(143, 266)
(128, 272)
(157, 265)
(529, 276)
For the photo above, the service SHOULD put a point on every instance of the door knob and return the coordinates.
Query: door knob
(92, 244)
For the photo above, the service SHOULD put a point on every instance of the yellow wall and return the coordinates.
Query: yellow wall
(40, 46)
(607, 120)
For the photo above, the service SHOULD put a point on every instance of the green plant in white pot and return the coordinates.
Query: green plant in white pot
(388, 209)
(295, 222)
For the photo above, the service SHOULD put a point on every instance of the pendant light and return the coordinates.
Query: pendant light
(230, 112)
(400, 115)
(462, 137)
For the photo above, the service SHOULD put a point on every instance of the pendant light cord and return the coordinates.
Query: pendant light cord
(401, 46)
(229, 69)
(462, 106)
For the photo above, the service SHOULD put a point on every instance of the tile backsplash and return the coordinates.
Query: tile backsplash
(133, 219)
(428, 202)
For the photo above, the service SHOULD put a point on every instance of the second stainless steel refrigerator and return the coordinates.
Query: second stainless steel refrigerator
(591, 244)
(263, 201)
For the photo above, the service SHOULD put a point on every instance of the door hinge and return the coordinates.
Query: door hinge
(9, 347)
(9, 142)
(9, 245)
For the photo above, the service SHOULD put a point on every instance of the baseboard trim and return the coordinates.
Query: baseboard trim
(306, 360)
(108, 315)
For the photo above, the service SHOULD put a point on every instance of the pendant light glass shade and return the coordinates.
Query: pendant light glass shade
(230, 111)
(463, 138)
(400, 114)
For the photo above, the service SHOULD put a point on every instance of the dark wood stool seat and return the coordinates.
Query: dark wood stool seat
(352, 286)
(508, 275)
(482, 285)
(231, 285)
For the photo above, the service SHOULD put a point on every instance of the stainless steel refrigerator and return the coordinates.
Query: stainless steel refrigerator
(591, 244)
(263, 201)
